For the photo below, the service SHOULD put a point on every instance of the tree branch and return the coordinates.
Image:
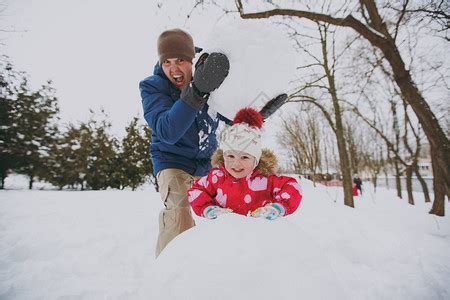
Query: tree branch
(312, 100)
(374, 37)
(402, 15)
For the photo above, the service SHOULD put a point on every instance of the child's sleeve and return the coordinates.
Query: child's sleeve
(202, 194)
(287, 192)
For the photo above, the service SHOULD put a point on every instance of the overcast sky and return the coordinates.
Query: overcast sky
(96, 52)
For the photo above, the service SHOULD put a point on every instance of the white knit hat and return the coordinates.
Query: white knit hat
(245, 133)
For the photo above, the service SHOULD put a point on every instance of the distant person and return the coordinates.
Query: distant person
(358, 183)
(243, 180)
(175, 106)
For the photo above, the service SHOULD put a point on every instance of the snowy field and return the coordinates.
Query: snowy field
(100, 245)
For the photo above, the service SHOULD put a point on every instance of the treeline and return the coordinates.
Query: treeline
(77, 156)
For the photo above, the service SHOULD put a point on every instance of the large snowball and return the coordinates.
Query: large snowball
(262, 63)
(234, 257)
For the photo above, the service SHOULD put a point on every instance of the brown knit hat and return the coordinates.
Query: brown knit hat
(175, 43)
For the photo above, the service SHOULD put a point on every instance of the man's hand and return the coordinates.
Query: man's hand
(210, 71)
(213, 211)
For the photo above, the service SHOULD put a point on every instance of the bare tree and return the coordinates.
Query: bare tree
(361, 144)
(426, 12)
(374, 164)
(383, 35)
(400, 138)
(301, 135)
(323, 83)
(414, 157)
(408, 158)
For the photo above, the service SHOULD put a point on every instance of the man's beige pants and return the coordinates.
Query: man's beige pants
(176, 217)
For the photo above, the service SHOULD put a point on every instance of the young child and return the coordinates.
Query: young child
(243, 180)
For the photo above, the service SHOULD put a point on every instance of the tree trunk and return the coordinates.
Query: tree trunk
(374, 181)
(344, 160)
(346, 176)
(386, 178)
(2, 186)
(398, 183)
(424, 185)
(409, 170)
(440, 188)
(30, 182)
(385, 171)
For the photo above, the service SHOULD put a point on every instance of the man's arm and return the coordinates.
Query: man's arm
(224, 119)
(168, 120)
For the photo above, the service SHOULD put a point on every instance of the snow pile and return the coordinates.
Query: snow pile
(236, 257)
(261, 64)
(386, 250)
(100, 245)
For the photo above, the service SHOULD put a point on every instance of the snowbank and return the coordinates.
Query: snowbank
(236, 257)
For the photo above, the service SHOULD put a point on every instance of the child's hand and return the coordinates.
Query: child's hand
(213, 211)
(270, 212)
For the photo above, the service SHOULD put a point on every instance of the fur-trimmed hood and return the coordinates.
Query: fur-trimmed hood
(268, 163)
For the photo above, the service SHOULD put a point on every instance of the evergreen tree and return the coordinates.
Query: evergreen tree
(67, 165)
(101, 152)
(26, 123)
(33, 117)
(84, 156)
(6, 157)
(134, 159)
(7, 91)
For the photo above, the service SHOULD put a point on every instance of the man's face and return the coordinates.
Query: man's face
(179, 71)
(239, 164)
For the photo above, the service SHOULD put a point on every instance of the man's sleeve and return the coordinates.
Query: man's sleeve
(168, 120)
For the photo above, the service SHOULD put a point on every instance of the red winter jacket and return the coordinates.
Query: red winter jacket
(245, 194)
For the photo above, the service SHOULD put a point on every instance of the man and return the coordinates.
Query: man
(183, 134)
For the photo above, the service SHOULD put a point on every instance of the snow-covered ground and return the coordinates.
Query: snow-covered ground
(100, 245)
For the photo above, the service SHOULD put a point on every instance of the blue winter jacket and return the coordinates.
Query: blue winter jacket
(182, 137)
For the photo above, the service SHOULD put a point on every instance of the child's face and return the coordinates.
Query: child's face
(239, 164)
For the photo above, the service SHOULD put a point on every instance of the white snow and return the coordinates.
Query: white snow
(261, 63)
(100, 245)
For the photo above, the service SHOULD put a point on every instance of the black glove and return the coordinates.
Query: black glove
(193, 97)
(210, 71)
(273, 105)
